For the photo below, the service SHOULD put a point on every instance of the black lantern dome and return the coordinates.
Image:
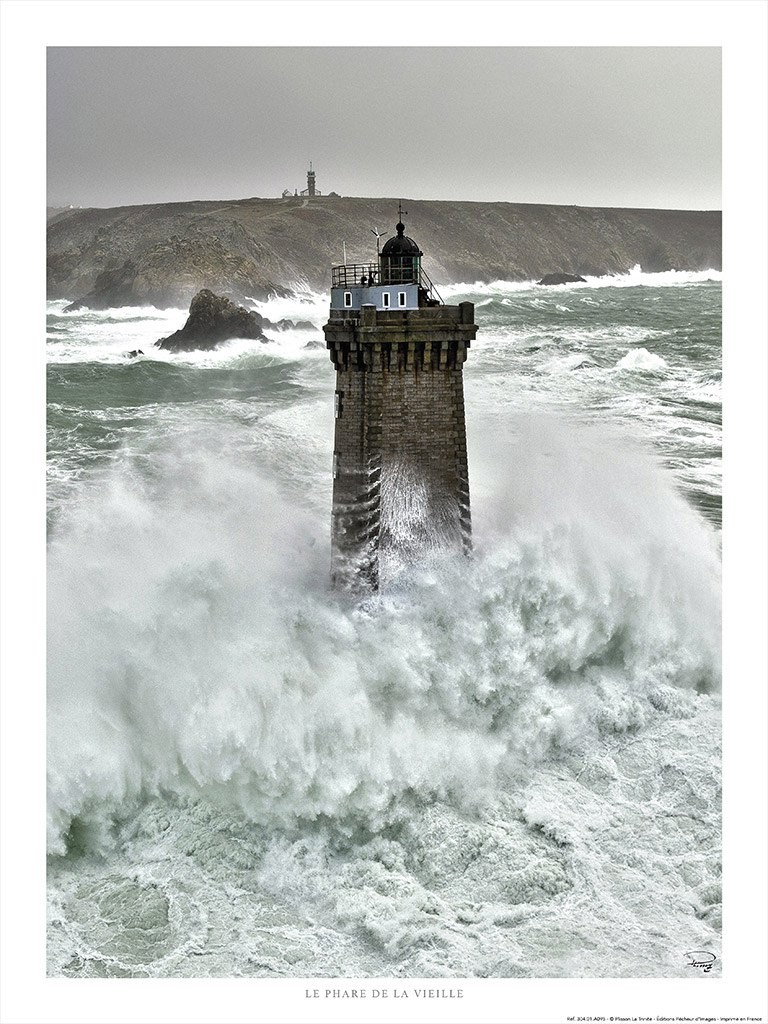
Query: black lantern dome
(400, 259)
(401, 244)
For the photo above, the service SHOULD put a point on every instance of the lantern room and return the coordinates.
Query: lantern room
(395, 281)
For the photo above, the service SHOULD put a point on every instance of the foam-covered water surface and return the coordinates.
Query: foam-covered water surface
(502, 766)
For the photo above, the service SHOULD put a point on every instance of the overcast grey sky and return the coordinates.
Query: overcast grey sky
(602, 126)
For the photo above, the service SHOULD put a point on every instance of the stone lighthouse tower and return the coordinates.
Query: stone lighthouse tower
(400, 479)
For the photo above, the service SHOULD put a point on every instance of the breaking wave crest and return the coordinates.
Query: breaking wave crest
(633, 278)
(641, 359)
(196, 649)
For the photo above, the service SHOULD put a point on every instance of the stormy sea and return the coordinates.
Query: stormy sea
(501, 766)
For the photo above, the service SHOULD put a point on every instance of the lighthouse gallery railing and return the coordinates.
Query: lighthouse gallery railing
(357, 275)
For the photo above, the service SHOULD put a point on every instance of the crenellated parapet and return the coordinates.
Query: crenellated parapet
(433, 338)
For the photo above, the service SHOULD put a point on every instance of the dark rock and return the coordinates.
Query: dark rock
(213, 319)
(315, 344)
(135, 352)
(561, 279)
(294, 325)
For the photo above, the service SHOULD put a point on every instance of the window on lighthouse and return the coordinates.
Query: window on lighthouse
(347, 298)
(401, 298)
(385, 300)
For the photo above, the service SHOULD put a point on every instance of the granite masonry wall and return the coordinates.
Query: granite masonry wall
(400, 452)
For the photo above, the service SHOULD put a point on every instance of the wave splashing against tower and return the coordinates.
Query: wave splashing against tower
(419, 519)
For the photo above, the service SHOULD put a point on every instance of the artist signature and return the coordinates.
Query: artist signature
(702, 959)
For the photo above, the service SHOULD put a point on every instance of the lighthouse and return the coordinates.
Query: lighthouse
(400, 474)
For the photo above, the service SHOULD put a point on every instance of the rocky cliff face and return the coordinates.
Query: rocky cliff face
(164, 254)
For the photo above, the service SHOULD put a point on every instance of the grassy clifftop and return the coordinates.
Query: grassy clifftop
(163, 254)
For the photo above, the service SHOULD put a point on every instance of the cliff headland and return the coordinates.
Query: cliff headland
(164, 254)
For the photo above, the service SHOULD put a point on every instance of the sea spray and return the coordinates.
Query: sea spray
(641, 359)
(504, 766)
(196, 649)
(634, 278)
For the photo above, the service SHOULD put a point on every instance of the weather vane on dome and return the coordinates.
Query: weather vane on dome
(400, 210)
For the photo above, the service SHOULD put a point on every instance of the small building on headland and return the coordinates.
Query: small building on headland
(400, 475)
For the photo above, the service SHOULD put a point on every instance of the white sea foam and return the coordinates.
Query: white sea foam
(110, 335)
(94, 316)
(661, 279)
(195, 648)
(504, 766)
(633, 278)
(641, 359)
(303, 305)
(280, 346)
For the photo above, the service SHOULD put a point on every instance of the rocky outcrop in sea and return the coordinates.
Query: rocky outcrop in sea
(212, 320)
(563, 279)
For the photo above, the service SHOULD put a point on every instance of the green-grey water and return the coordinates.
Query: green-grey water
(504, 767)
